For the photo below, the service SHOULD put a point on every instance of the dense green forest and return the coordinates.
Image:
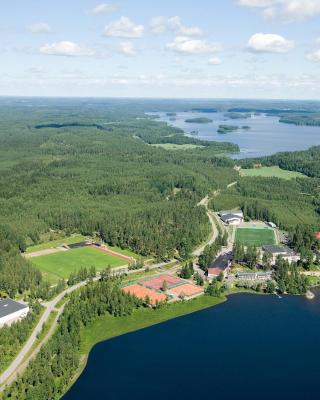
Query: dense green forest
(89, 168)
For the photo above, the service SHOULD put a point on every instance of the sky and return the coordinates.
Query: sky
(166, 49)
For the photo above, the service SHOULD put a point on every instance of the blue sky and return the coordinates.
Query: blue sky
(172, 48)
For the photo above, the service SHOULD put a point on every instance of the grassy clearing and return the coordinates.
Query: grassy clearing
(56, 243)
(60, 265)
(255, 236)
(107, 326)
(269, 172)
(172, 146)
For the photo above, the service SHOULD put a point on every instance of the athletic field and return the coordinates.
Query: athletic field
(255, 236)
(60, 265)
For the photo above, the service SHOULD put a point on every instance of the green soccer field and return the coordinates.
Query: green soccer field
(255, 236)
(60, 265)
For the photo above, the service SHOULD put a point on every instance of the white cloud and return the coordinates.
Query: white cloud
(314, 56)
(256, 3)
(158, 24)
(183, 44)
(214, 61)
(127, 48)
(124, 27)
(39, 27)
(66, 48)
(288, 10)
(104, 8)
(174, 24)
(269, 43)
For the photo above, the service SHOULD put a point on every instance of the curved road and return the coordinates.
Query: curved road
(214, 231)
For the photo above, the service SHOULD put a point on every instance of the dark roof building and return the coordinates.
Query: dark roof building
(220, 265)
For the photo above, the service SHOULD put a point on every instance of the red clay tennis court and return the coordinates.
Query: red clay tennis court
(187, 290)
(157, 281)
(143, 292)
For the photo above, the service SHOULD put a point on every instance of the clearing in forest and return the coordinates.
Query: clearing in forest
(270, 172)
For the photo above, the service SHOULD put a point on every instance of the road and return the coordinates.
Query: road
(214, 231)
(23, 358)
(49, 307)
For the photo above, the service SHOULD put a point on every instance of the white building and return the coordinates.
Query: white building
(11, 311)
(231, 217)
(284, 252)
(255, 276)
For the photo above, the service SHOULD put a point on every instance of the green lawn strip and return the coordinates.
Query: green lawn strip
(255, 236)
(107, 326)
(56, 243)
(63, 263)
(274, 171)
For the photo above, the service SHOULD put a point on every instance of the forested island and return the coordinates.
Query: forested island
(237, 115)
(200, 120)
(302, 119)
(227, 128)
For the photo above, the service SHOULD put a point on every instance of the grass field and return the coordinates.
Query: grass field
(60, 265)
(271, 172)
(255, 236)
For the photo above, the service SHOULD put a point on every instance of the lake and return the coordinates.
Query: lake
(250, 347)
(266, 136)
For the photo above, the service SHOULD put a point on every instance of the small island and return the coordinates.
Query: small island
(223, 129)
(200, 120)
(236, 115)
(171, 114)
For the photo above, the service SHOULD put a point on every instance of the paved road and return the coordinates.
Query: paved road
(49, 307)
(214, 231)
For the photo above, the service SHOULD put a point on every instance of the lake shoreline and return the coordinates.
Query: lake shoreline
(211, 302)
(254, 142)
(214, 302)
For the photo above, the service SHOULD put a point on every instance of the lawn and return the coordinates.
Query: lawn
(269, 172)
(60, 265)
(255, 236)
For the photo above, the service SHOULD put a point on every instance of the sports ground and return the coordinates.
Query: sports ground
(255, 236)
(62, 264)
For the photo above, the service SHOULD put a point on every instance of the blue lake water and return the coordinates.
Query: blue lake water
(251, 347)
(266, 136)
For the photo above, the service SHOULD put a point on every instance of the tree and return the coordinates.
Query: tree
(164, 287)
